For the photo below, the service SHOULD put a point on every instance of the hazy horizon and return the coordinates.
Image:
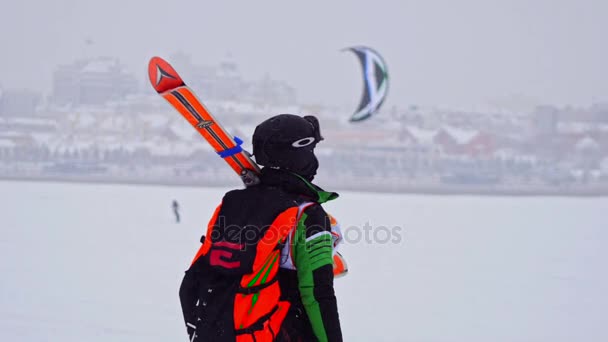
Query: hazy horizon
(477, 53)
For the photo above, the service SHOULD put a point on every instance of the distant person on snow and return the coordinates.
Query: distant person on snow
(175, 207)
(264, 270)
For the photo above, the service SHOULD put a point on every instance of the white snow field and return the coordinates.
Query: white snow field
(89, 262)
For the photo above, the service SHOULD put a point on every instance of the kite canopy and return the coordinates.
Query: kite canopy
(375, 82)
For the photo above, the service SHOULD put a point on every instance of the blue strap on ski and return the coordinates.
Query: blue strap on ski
(232, 151)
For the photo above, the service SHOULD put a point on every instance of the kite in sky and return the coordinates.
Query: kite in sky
(375, 82)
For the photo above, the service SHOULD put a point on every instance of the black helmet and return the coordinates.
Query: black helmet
(287, 142)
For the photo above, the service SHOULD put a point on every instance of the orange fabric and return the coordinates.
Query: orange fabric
(276, 320)
(332, 220)
(340, 268)
(277, 232)
(244, 338)
(271, 326)
(207, 244)
(249, 308)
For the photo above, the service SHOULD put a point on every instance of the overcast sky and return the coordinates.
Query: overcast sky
(446, 53)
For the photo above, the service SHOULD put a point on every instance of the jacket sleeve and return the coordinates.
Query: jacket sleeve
(188, 296)
(313, 254)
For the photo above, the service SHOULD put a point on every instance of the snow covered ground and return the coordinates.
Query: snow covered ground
(85, 262)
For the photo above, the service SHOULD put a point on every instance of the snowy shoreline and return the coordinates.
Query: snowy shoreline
(361, 186)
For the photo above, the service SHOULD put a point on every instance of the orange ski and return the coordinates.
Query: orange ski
(167, 82)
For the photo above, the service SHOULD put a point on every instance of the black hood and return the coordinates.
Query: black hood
(287, 142)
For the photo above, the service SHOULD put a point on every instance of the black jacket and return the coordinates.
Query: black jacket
(313, 315)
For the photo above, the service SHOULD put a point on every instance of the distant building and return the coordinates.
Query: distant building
(225, 83)
(92, 82)
(272, 91)
(482, 145)
(18, 102)
(588, 152)
(545, 120)
(600, 112)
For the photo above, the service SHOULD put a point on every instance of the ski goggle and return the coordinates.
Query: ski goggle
(312, 140)
(315, 124)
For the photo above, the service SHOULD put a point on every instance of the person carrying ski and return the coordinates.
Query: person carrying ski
(264, 270)
(175, 207)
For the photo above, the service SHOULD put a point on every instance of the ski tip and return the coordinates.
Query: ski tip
(162, 75)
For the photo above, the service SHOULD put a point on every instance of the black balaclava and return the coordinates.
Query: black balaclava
(287, 142)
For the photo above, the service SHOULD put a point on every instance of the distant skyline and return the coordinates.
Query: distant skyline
(459, 54)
